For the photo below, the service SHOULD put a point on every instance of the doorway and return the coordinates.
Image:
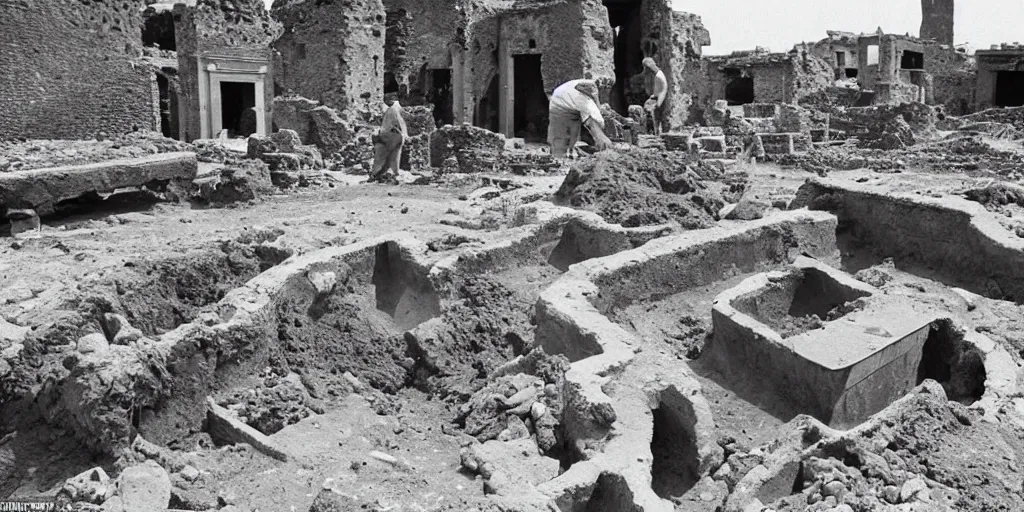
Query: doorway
(168, 101)
(238, 108)
(441, 96)
(1010, 89)
(739, 87)
(625, 20)
(531, 104)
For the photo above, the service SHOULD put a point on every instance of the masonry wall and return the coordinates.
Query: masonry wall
(990, 62)
(428, 31)
(234, 28)
(937, 20)
(68, 69)
(675, 40)
(332, 51)
(572, 36)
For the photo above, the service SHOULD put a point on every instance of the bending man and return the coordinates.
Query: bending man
(573, 104)
(657, 87)
(387, 146)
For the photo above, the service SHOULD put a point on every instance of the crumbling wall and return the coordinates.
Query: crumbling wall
(233, 28)
(937, 20)
(332, 51)
(675, 41)
(778, 78)
(69, 69)
(423, 34)
(573, 38)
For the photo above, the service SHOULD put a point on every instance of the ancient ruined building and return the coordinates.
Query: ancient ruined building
(937, 20)
(762, 77)
(225, 67)
(331, 51)
(1000, 76)
(495, 63)
(71, 68)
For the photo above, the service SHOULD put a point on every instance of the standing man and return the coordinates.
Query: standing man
(573, 104)
(656, 86)
(387, 146)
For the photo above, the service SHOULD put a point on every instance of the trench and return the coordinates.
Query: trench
(611, 492)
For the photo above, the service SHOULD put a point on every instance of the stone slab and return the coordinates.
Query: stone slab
(42, 189)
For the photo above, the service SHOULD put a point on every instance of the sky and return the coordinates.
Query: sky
(779, 24)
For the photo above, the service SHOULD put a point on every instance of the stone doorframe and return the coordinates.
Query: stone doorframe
(216, 69)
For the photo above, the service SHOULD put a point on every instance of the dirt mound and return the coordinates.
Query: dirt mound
(642, 187)
(928, 452)
(487, 325)
(343, 333)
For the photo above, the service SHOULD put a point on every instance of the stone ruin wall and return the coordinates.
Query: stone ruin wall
(937, 20)
(70, 69)
(332, 51)
(419, 37)
(572, 36)
(680, 58)
(237, 28)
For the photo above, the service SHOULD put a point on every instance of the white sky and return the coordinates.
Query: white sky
(779, 24)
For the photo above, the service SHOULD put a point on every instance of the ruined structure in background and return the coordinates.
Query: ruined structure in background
(937, 21)
(331, 52)
(893, 69)
(1000, 76)
(224, 65)
(841, 51)
(70, 69)
(482, 62)
(761, 77)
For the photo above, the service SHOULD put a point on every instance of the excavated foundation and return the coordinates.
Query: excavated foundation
(951, 239)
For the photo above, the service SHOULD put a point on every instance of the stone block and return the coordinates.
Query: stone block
(42, 189)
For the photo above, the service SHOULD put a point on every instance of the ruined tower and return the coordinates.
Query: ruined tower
(937, 20)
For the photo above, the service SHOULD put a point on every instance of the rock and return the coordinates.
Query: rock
(10, 333)
(748, 209)
(258, 145)
(509, 467)
(23, 221)
(538, 410)
(485, 193)
(91, 343)
(323, 282)
(891, 493)
(329, 501)
(92, 486)
(524, 395)
(189, 473)
(123, 332)
(287, 141)
(834, 488)
(515, 429)
(910, 489)
(145, 487)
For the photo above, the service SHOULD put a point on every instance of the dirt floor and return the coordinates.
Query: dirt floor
(369, 423)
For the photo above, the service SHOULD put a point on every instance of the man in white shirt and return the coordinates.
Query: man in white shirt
(573, 104)
(657, 87)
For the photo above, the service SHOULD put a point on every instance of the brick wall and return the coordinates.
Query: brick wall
(332, 51)
(68, 69)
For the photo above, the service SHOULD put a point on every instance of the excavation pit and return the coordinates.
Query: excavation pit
(845, 369)
(676, 466)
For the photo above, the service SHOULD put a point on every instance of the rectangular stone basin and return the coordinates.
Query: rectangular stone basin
(841, 367)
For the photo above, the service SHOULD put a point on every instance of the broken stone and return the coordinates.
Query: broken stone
(911, 488)
(92, 486)
(95, 342)
(144, 487)
(748, 209)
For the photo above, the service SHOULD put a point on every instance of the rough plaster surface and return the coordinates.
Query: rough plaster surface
(70, 69)
(333, 52)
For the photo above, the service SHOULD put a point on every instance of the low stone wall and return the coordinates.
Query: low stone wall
(959, 240)
(571, 321)
(42, 189)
